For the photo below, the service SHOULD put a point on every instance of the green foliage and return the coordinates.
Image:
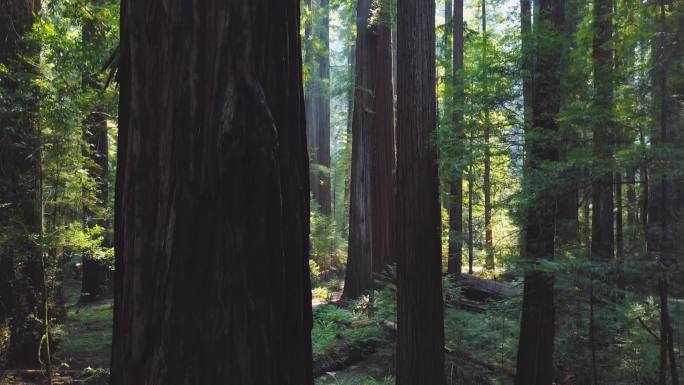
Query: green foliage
(326, 243)
(332, 323)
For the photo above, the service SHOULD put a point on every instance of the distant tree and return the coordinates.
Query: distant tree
(21, 274)
(96, 141)
(535, 348)
(487, 183)
(317, 100)
(420, 322)
(212, 200)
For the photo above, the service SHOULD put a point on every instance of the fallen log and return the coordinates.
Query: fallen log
(481, 290)
(343, 354)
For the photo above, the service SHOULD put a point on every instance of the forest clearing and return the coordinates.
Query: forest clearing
(342, 192)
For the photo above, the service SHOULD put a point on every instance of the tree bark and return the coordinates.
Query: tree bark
(471, 245)
(96, 141)
(359, 274)
(212, 198)
(489, 242)
(535, 349)
(382, 179)
(455, 263)
(20, 166)
(602, 234)
(420, 321)
(318, 105)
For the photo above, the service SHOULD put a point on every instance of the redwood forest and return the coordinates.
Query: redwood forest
(342, 192)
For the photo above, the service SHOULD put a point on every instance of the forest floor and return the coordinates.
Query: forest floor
(353, 344)
(87, 330)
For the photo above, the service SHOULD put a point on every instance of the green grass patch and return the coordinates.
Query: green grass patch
(87, 331)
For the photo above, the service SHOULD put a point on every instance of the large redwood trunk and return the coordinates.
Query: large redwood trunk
(20, 165)
(212, 278)
(382, 179)
(372, 180)
(535, 348)
(420, 322)
(358, 276)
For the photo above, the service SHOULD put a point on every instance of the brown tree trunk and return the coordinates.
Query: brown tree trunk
(20, 166)
(359, 274)
(619, 233)
(489, 242)
(96, 142)
(471, 245)
(318, 101)
(535, 349)
(455, 263)
(602, 234)
(382, 179)
(420, 322)
(212, 198)
(632, 212)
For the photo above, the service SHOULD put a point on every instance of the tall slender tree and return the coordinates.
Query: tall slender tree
(535, 349)
(602, 231)
(420, 322)
(661, 232)
(455, 263)
(487, 183)
(318, 102)
(212, 199)
(22, 277)
(96, 140)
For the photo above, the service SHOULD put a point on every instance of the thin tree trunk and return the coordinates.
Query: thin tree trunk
(602, 234)
(97, 149)
(318, 103)
(455, 264)
(489, 243)
(420, 315)
(212, 198)
(471, 246)
(619, 233)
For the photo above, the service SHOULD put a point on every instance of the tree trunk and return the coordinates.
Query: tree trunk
(602, 234)
(489, 243)
(382, 180)
(667, 354)
(318, 109)
(632, 211)
(535, 349)
(20, 166)
(455, 263)
(471, 245)
(619, 233)
(359, 274)
(97, 149)
(420, 315)
(212, 198)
